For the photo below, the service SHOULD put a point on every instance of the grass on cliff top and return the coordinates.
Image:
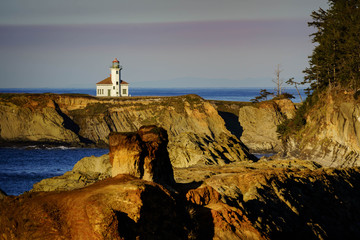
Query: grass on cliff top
(314, 106)
(141, 103)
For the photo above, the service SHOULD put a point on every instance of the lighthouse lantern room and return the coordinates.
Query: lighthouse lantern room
(113, 86)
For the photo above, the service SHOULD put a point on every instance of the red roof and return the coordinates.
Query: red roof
(105, 81)
(115, 60)
(108, 81)
(123, 82)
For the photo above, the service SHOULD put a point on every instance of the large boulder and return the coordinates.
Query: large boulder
(142, 154)
(85, 172)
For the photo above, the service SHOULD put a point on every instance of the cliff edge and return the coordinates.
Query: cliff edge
(331, 133)
(197, 134)
(255, 124)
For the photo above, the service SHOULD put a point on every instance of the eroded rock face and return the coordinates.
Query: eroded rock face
(279, 200)
(85, 172)
(259, 123)
(331, 134)
(123, 207)
(142, 154)
(196, 132)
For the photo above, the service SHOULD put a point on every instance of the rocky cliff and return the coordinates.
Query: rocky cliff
(123, 207)
(278, 199)
(331, 133)
(197, 134)
(256, 123)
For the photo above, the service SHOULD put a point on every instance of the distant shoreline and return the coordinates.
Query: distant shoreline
(222, 94)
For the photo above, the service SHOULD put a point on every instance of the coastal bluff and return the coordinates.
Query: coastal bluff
(196, 132)
(277, 199)
(255, 124)
(331, 133)
(144, 198)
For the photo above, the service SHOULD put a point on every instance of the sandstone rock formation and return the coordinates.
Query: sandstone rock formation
(197, 134)
(142, 154)
(260, 122)
(123, 207)
(331, 134)
(85, 172)
(256, 123)
(278, 199)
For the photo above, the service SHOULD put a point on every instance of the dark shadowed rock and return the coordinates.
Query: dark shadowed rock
(142, 154)
(2, 194)
(123, 207)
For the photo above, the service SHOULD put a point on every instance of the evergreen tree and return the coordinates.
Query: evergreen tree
(335, 60)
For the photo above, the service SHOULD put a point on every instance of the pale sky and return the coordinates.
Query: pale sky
(160, 43)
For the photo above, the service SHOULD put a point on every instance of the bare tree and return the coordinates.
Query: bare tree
(278, 81)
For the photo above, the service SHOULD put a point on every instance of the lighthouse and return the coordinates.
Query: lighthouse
(113, 86)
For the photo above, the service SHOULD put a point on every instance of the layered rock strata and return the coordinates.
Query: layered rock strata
(287, 199)
(197, 134)
(278, 199)
(123, 207)
(331, 135)
(142, 154)
(255, 124)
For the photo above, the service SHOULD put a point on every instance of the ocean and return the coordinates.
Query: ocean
(225, 94)
(21, 167)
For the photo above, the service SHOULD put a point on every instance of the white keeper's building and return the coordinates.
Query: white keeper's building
(113, 86)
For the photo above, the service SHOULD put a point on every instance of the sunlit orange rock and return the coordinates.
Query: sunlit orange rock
(142, 154)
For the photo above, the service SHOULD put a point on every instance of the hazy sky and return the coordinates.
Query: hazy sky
(166, 43)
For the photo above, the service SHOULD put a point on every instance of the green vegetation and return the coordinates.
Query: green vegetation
(295, 124)
(335, 61)
(262, 97)
(292, 82)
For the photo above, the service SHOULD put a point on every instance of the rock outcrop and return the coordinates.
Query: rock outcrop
(2, 194)
(278, 199)
(85, 172)
(197, 134)
(255, 124)
(122, 207)
(142, 154)
(331, 133)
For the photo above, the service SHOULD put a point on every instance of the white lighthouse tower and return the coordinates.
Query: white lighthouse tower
(115, 74)
(113, 86)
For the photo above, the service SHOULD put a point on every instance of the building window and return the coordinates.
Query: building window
(114, 87)
(117, 72)
(124, 91)
(117, 93)
(102, 91)
(117, 83)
